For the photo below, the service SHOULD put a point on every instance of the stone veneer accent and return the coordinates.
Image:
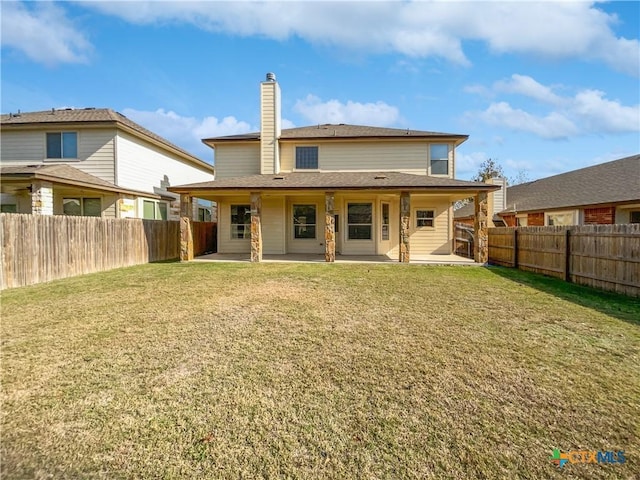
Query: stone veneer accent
(186, 230)
(256, 227)
(405, 226)
(481, 244)
(329, 228)
(42, 198)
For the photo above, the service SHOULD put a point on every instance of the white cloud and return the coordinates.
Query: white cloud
(556, 30)
(43, 33)
(187, 132)
(552, 126)
(333, 111)
(588, 111)
(524, 85)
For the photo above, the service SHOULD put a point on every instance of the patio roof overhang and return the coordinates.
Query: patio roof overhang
(296, 182)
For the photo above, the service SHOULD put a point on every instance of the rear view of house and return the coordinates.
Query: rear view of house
(92, 162)
(333, 189)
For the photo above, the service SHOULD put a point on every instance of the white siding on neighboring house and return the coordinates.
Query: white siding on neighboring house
(142, 166)
(355, 156)
(95, 150)
(237, 160)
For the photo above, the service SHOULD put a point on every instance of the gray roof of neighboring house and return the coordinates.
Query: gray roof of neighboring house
(90, 116)
(331, 131)
(64, 174)
(335, 180)
(468, 210)
(611, 182)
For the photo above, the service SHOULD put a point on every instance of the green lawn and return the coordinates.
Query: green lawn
(316, 371)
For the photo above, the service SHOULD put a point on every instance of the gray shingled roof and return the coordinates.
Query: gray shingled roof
(611, 182)
(616, 181)
(329, 131)
(334, 180)
(89, 116)
(62, 173)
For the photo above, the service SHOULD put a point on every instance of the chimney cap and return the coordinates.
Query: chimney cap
(271, 77)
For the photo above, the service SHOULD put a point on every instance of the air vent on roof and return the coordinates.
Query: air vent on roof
(380, 177)
(278, 177)
(271, 77)
(90, 108)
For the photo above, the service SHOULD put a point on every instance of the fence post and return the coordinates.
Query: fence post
(567, 256)
(515, 247)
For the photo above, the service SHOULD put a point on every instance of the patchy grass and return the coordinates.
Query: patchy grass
(316, 371)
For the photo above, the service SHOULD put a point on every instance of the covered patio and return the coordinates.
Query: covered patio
(319, 258)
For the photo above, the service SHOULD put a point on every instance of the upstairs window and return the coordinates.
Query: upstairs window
(62, 145)
(439, 158)
(306, 158)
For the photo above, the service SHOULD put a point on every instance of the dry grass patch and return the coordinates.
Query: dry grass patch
(316, 371)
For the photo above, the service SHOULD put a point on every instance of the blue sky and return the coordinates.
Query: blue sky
(541, 87)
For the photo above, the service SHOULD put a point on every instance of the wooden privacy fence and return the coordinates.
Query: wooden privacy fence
(601, 256)
(40, 248)
(204, 237)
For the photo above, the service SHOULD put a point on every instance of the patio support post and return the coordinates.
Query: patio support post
(256, 227)
(186, 229)
(42, 198)
(329, 228)
(481, 244)
(405, 225)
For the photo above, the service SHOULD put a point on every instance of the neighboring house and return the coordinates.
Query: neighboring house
(347, 189)
(602, 194)
(93, 162)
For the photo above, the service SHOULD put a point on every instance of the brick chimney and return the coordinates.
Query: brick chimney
(269, 125)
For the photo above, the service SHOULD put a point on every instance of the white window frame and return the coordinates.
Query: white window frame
(295, 158)
(293, 221)
(418, 218)
(449, 163)
(82, 206)
(573, 213)
(370, 224)
(524, 218)
(156, 209)
(383, 224)
(62, 158)
(247, 226)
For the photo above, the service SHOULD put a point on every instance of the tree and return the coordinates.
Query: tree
(521, 177)
(488, 169)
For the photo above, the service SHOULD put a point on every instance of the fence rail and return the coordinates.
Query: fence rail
(601, 256)
(40, 248)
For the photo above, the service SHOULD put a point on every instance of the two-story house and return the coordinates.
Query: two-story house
(92, 162)
(345, 189)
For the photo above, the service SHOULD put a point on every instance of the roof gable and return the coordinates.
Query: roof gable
(93, 116)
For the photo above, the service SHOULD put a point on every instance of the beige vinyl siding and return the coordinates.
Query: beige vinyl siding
(360, 156)
(143, 166)
(237, 160)
(95, 150)
(270, 113)
(225, 243)
(273, 225)
(430, 241)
